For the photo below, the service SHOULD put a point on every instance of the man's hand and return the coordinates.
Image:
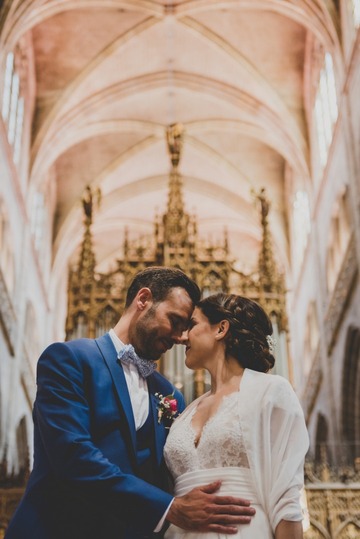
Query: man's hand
(203, 511)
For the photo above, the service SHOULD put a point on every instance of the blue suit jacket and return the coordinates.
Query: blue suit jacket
(85, 483)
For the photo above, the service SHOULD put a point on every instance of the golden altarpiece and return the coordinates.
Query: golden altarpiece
(95, 302)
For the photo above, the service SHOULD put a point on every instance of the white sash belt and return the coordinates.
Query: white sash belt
(235, 482)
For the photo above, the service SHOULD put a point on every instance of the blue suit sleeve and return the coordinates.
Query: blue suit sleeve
(63, 419)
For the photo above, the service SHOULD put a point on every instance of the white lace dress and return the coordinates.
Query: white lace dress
(220, 454)
(256, 443)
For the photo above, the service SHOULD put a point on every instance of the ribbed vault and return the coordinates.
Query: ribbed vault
(112, 74)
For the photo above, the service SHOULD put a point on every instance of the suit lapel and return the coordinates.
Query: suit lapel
(159, 429)
(109, 354)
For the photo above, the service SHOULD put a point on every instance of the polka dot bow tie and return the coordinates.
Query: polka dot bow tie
(145, 367)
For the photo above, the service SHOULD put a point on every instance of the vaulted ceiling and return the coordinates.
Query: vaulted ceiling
(112, 74)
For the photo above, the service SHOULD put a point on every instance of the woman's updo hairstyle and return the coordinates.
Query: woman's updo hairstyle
(249, 328)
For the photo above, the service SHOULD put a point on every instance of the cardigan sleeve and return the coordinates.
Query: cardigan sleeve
(276, 442)
(286, 442)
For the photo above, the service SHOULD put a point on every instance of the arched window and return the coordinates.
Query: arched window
(81, 325)
(311, 337)
(325, 108)
(212, 283)
(322, 453)
(22, 446)
(356, 11)
(106, 319)
(18, 130)
(12, 120)
(13, 104)
(339, 237)
(351, 394)
(6, 96)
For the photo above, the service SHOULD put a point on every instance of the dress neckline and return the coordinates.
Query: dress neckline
(224, 399)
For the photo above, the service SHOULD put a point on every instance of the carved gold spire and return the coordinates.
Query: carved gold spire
(176, 220)
(174, 137)
(178, 229)
(271, 281)
(87, 262)
(267, 267)
(82, 279)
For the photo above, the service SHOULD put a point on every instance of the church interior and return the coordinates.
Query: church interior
(220, 137)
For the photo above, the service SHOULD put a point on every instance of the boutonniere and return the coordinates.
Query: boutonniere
(167, 408)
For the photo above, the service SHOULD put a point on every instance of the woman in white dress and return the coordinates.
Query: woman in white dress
(248, 431)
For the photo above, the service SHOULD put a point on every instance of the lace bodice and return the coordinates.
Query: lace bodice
(221, 443)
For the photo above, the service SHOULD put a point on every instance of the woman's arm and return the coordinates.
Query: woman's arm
(287, 529)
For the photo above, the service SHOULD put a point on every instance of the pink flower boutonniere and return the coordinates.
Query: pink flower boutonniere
(167, 408)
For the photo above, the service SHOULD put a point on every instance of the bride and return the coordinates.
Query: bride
(248, 431)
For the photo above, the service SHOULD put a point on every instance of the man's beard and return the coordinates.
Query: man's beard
(144, 338)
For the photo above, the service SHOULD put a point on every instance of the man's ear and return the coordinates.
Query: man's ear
(223, 328)
(143, 298)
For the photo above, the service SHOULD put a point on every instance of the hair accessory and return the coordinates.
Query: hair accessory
(271, 343)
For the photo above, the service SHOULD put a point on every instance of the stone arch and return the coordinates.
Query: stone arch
(106, 319)
(22, 447)
(317, 531)
(348, 529)
(350, 417)
(321, 441)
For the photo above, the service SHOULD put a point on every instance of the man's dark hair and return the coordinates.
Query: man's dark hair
(160, 280)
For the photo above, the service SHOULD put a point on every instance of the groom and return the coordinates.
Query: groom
(98, 468)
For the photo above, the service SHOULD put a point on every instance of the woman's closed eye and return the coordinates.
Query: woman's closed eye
(192, 323)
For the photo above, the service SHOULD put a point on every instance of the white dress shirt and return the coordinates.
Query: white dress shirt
(139, 397)
(137, 386)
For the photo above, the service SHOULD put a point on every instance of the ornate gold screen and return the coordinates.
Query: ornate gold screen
(95, 300)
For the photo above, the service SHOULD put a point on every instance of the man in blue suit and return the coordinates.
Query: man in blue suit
(98, 468)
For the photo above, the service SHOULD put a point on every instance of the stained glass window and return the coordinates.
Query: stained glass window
(37, 219)
(13, 107)
(326, 108)
(356, 11)
(18, 130)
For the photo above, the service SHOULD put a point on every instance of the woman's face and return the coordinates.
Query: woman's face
(200, 343)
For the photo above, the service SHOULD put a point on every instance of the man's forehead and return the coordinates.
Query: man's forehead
(178, 294)
(179, 302)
